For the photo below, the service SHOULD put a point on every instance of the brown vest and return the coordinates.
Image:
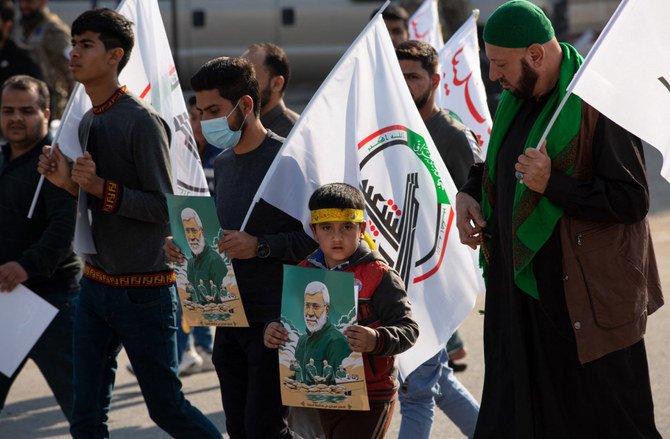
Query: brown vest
(610, 276)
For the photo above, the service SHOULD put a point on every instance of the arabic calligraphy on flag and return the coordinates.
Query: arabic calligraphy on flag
(424, 25)
(362, 128)
(461, 89)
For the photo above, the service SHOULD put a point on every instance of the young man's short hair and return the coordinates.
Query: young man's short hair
(336, 196)
(27, 83)
(233, 77)
(115, 30)
(192, 101)
(418, 51)
(275, 60)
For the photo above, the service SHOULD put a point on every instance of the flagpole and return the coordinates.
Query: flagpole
(552, 120)
(589, 56)
(597, 44)
(271, 170)
(40, 183)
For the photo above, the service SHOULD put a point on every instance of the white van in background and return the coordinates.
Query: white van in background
(314, 33)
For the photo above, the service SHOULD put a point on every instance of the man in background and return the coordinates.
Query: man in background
(37, 252)
(273, 73)
(396, 19)
(458, 149)
(48, 39)
(14, 60)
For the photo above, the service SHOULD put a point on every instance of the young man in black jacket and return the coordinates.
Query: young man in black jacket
(227, 95)
(37, 251)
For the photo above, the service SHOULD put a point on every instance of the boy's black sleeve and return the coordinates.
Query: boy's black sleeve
(398, 331)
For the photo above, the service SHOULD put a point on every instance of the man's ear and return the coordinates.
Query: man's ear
(535, 54)
(277, 83)
(313, 229)
(116, 54)
(363, 226)
(246, 105)
(434, 81)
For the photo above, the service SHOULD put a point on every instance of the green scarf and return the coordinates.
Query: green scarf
(533, 215)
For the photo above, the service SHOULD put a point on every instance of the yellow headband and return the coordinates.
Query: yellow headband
(330, 215)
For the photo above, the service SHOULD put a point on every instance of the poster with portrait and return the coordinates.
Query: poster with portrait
(205, 280)
(316, 366)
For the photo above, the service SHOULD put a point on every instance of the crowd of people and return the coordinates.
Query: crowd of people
(564, 319)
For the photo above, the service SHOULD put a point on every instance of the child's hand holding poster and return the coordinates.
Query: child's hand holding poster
(205, 281)
(316, 366)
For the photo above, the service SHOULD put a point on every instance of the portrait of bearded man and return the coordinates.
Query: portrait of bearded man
(206, 263)
(321, 340)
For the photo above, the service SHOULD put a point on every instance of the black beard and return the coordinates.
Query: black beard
(421, 100)
(266, 94)
(240, 117)
(527, 81)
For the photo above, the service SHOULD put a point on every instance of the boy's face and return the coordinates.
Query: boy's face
(338, 240)
(90, 61)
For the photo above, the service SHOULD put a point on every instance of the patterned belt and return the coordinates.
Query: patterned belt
(160, 279)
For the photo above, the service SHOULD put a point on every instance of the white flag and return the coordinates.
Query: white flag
(362, 127)
(461, 88)
(151, 75)
(424, 25)
(626, 76)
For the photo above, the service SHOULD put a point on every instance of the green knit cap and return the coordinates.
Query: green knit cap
(518, 24)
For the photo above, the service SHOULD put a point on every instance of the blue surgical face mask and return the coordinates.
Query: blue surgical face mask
(217, 132)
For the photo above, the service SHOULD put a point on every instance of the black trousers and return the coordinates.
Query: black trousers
(249, 378)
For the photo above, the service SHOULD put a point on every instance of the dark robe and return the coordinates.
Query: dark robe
(534, 385)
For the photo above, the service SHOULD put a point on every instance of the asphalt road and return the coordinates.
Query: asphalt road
(31, 411)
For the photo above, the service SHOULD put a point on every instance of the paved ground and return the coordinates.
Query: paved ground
(31, 412)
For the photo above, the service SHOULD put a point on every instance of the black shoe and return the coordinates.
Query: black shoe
(457, 367)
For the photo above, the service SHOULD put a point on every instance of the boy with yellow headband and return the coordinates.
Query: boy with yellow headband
(385, 325)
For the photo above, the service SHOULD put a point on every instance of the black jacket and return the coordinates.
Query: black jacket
(42, 244)
(15, 60)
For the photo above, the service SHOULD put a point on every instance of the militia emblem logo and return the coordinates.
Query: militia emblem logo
(407, 205)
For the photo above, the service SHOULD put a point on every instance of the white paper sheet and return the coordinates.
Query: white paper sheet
(23, 318)
(83, 237)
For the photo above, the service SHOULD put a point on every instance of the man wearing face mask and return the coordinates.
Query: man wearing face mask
(227, 95)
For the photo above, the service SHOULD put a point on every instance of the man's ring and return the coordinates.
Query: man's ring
(518, 175)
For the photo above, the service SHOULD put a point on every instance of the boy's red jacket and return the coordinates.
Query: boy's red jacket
(382, 305)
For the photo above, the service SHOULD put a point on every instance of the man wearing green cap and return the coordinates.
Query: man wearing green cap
(566, 250)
